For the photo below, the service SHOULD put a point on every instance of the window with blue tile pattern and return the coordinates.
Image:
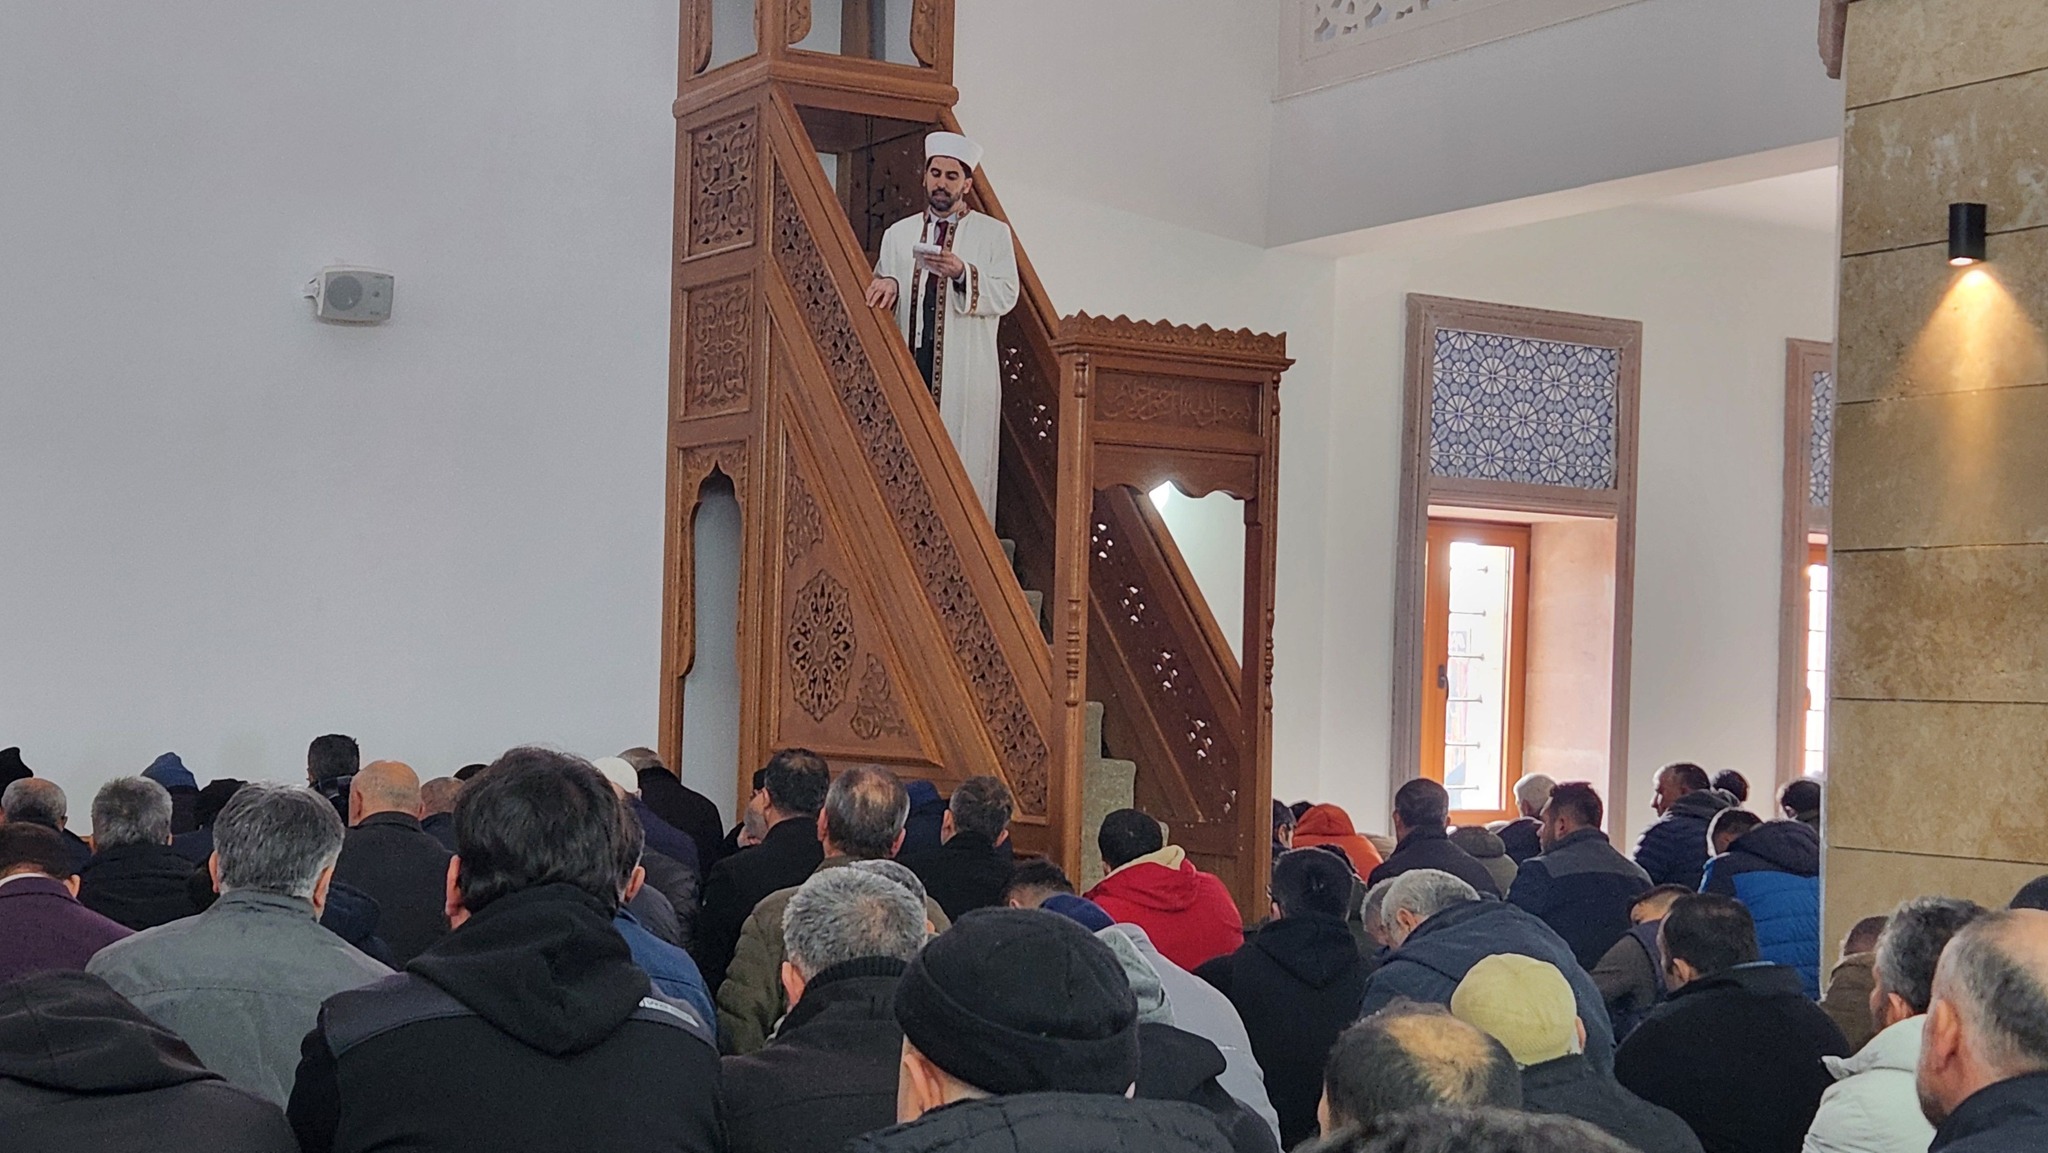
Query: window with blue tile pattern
(1506, 408)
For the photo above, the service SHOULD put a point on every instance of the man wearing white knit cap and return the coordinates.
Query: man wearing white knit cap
(950, 274)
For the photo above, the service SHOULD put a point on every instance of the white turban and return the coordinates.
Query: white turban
(954, 145)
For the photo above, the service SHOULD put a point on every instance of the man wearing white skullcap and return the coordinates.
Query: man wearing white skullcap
(950, 274)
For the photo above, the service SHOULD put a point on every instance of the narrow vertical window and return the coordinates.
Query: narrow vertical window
(1476, 633)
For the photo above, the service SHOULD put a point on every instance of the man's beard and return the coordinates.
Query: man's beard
(941, 201)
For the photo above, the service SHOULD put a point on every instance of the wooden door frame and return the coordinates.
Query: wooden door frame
(1518, 538)
(1420, 490)
(1802, 520)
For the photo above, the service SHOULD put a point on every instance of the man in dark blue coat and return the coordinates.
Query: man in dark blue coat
(1439, 929)
(1773, 868)
(1580, 886)
(1674, 850)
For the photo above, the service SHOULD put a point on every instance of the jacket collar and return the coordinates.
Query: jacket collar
(401, 820)
(2016, 1101)
(1566, 1070)
(1423, 833)
(792, 829)
(1753, 978)
(865, 986)
(1579, 837)
(256, 900)
(40, 884)
(1897, 1047)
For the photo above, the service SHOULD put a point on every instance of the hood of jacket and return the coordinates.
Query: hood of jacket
(1785, 845)
(1314, 949)
(1173, 1063)
(544, 965)
(170, 772)
(1700, 805)
(1454, 940)
(1897, 1048)
(1481, 843)
(1325, 821)
(69, 1031)
(1165, 880)
(1757, 979)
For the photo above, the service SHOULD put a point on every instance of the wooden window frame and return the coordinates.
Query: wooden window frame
(1436, 654)
(1420, 490)
(1803, 520)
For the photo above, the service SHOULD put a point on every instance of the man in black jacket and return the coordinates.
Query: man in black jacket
(528, 1027)
(1422, 814)
(828, 1074)
(795, 781)
(971, 865)
(81, 1068)
(400, 865)
(1674, 850)
(1983, 1076)
(134, 877)
(1296, 983)
(1737, 1049)
(677, 803)
(1020, 1031)
(1579, 885)
(1527, 1006)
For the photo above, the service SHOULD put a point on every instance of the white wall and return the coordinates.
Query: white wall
(1717, 299)
(231, 528)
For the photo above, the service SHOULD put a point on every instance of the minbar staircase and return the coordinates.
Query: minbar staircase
(882, 618)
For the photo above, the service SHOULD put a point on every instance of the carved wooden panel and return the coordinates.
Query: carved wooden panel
(802, 524)
(875, 712)
(697, 462)
(820, 645)
(723, 160)
(718, 343)
(924, 31)
(799, 19)
(992, 684)
(1182, 403)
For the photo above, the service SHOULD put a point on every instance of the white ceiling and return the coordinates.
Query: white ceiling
(1810, 200)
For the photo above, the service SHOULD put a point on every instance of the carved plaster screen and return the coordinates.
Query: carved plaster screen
(1524, 411)
(1327, 42)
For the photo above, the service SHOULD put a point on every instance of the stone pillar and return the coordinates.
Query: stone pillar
(1938, 776)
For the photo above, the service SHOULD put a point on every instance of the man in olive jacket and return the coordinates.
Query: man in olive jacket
(862, 820)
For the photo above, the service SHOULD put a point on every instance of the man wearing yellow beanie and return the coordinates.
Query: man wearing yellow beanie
(1527, 1005)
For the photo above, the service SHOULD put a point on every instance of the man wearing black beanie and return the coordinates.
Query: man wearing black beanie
(1020, 1032)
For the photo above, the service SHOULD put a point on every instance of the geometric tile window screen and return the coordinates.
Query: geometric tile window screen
(1820, 441)
(1506, 408)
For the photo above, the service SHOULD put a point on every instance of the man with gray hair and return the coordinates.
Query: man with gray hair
(1871, 1108)
(1983, 1073)
(1437, 928)
(862, 820)
(35, 801)
(1523, 835)
(829, 1072)
(134, 877)
(242, 982)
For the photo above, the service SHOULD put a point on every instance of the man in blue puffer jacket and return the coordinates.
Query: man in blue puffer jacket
(1674, 849)
(1773, 868)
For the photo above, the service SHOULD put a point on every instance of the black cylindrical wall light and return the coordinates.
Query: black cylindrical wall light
(1966, 229)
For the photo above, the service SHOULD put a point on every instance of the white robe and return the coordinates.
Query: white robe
(966, 359)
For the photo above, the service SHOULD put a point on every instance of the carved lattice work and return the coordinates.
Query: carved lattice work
(723, 158)
(1190, 720)
(820, 645)
(875, 712)
(1178, 402)
(1523, 411)
(1820, 442)
(718, 336)
(803, 524)
(993, 685)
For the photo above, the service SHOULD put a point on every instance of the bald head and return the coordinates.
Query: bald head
(1988, 1020)
(438, 796)
(384, 787)
(1410, 1056)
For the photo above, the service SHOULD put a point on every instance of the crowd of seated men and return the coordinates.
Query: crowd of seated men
(545, 952)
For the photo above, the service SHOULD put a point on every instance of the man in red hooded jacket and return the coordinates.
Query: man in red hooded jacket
(1189, 914)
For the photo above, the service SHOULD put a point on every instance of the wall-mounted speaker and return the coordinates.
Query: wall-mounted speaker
(351, 295)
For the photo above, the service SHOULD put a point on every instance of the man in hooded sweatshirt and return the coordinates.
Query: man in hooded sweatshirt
(1188, 913)
(528, 1027)
(1773, 868)
(1330, 825)
(1296, 984)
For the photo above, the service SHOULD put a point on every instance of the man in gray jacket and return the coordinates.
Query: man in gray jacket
(242, 982)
